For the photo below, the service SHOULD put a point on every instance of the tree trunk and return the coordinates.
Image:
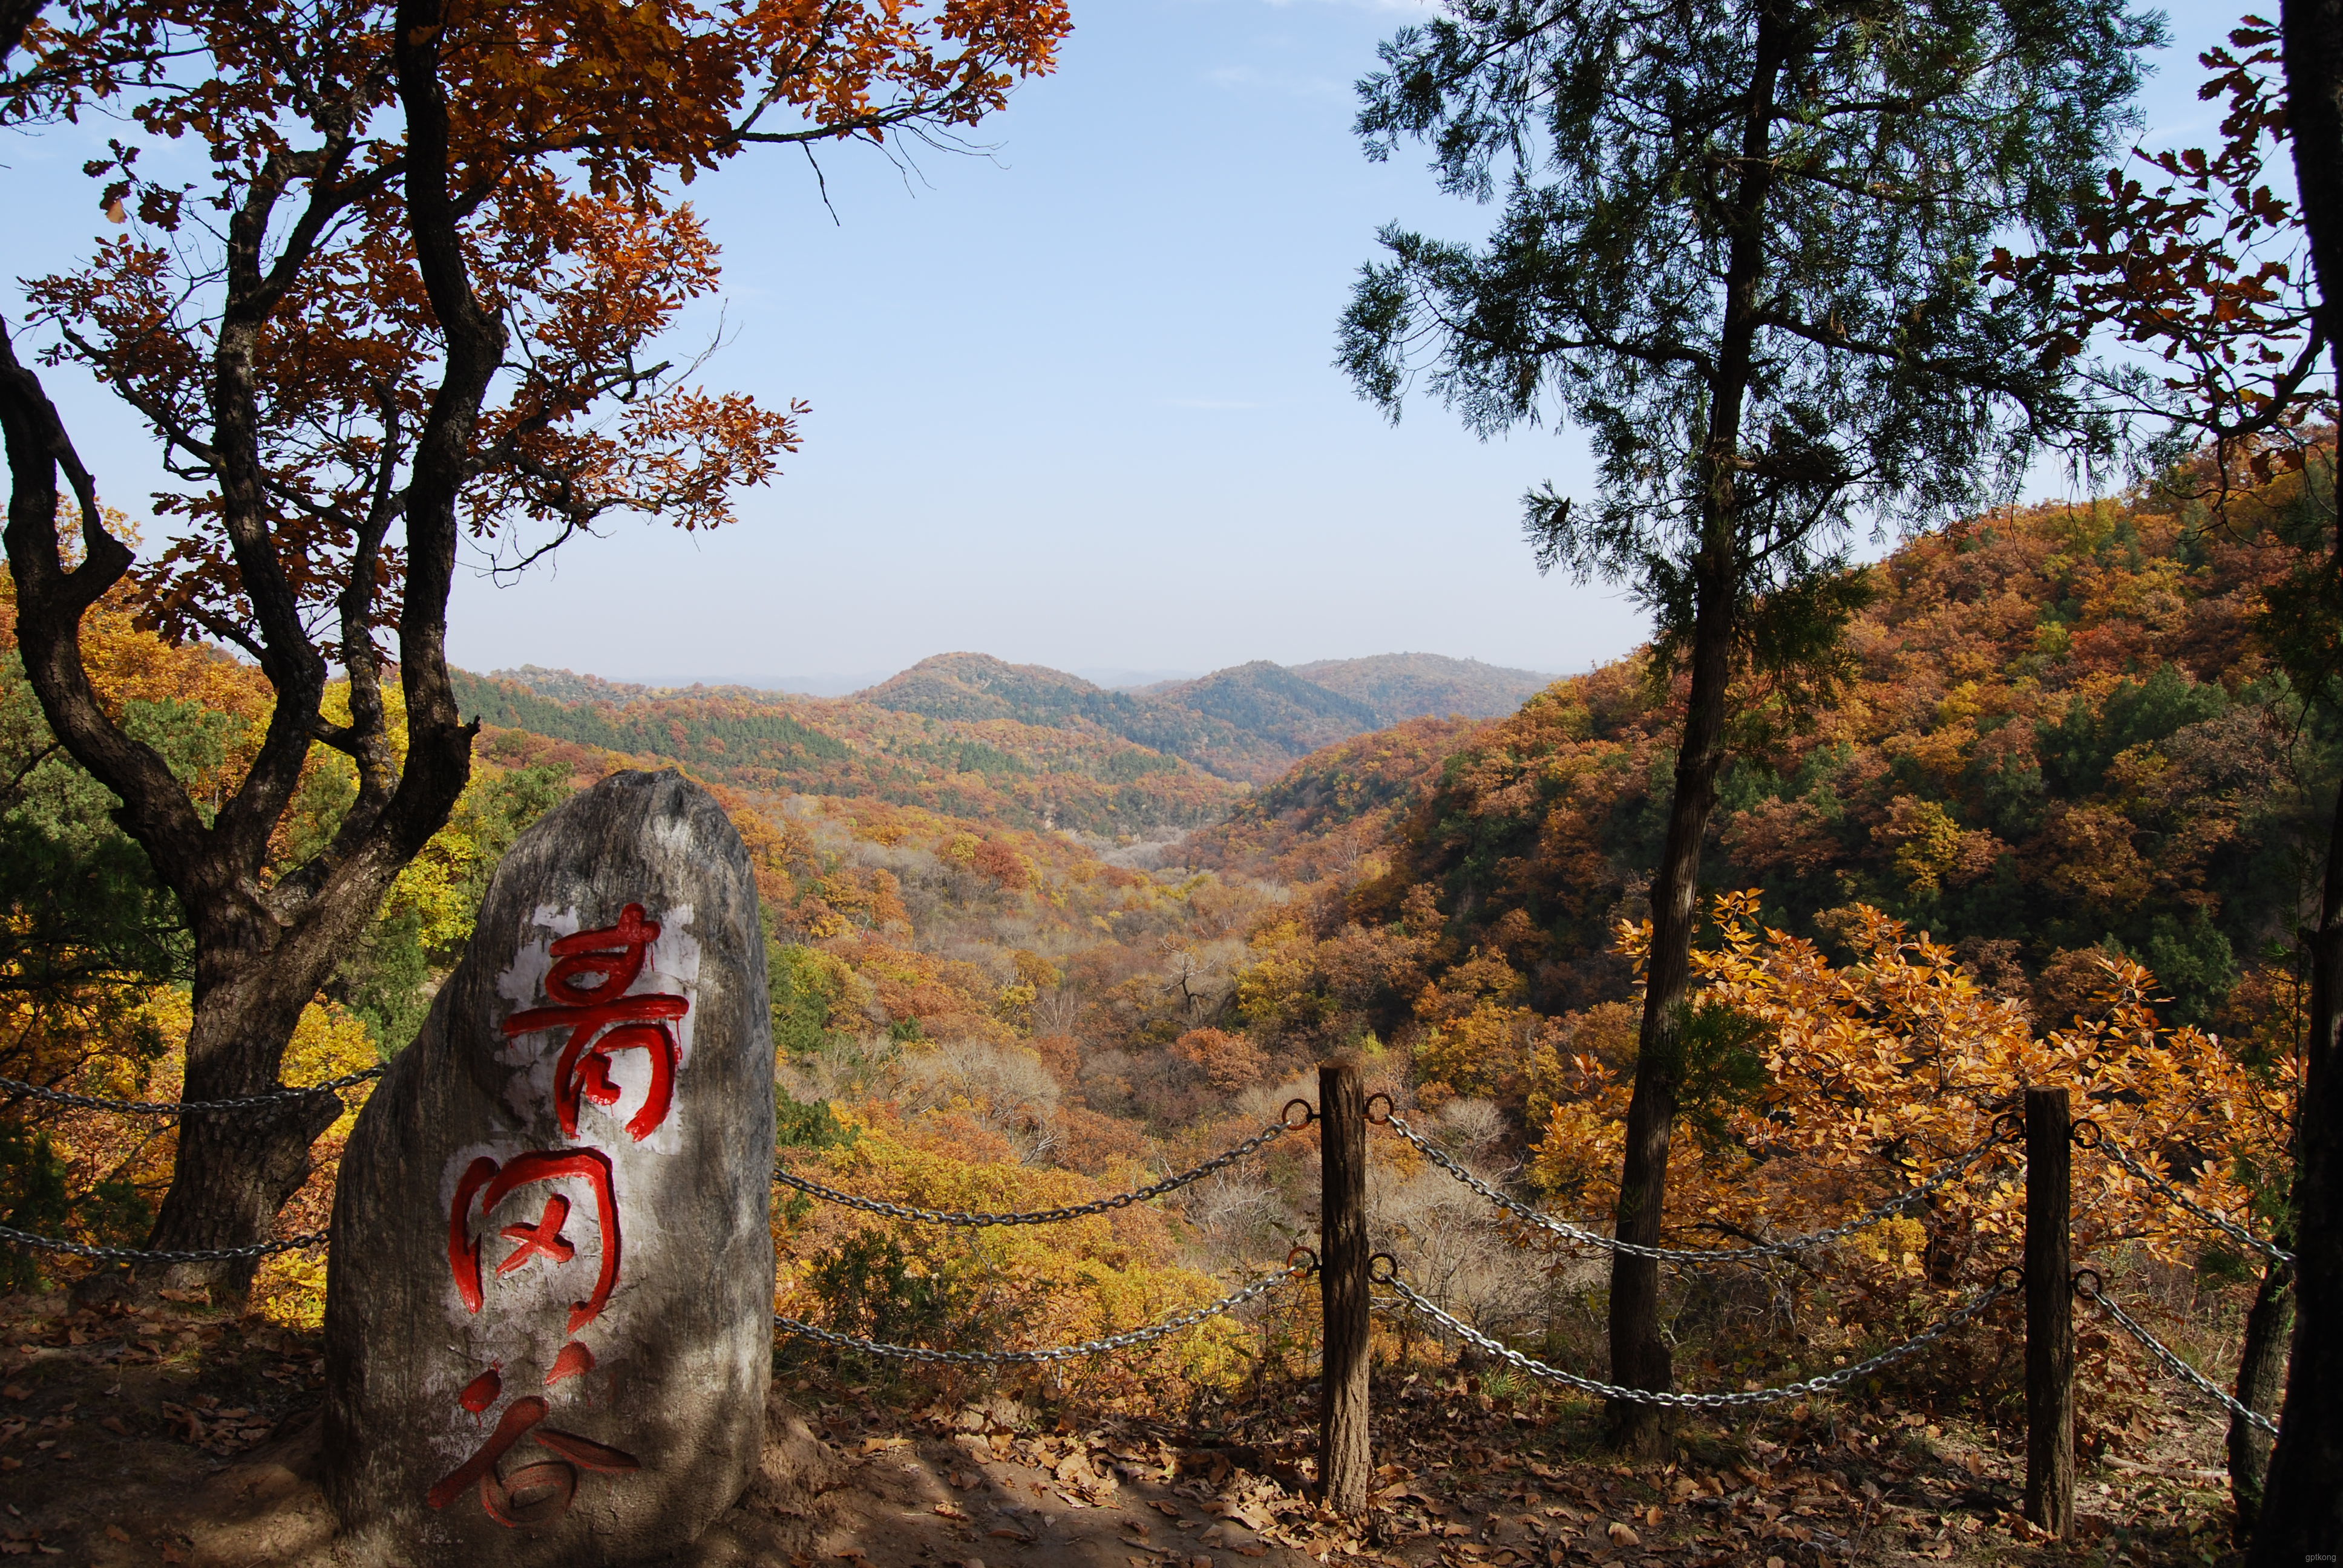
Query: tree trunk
(233, 1171)
(261, 950)
(2302, 1504)
(1639, 1357)
(2261, 1379)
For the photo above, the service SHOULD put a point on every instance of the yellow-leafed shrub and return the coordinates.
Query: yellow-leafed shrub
(997, 1288)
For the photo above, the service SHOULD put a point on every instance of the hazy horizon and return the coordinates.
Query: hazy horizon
(845, 683)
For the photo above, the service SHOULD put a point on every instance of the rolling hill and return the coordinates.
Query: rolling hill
(995, 769)
(1403, 686)
(1249, 722)
(1022, 744)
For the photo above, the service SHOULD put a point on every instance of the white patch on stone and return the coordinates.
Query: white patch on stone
(674, 966)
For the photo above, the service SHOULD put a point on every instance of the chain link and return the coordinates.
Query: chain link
(2230, 1228)
(2171, 1358)
(135, 1255)
(183, 1107)
(1227, 1303)
(173, 1108)
(1813, 1385)
(1784, 1249)
(1269, 1134)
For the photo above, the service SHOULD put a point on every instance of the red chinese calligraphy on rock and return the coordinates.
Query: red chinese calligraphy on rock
(588, 980)
(488, 1184)
(534, 1493)
(512, 1427)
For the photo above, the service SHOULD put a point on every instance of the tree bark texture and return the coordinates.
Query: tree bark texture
(1345, 1446)
(2302, 1503)
(1639, 1356)
(2261, 1383)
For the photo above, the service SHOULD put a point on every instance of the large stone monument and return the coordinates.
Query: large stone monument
(549, 1324)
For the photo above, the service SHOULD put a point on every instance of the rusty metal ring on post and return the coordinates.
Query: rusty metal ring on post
(2085, 1125)
(1391, 1269)
(2090, 1291)
(1389, 1107)
(1308, 1115)
(1297, 1252)
(2007, 1126)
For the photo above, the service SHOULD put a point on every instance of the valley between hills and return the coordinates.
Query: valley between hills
(970, 735)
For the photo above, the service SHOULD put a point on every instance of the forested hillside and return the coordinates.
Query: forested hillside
(1250, 721)
(1285, 715)
(2057, 749)
(1406, 1110)
(2057, 739)
(970, 686)
(1020, 742)
(1399, 686)
(1002, 769)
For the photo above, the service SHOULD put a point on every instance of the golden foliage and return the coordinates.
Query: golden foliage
(1878, 1072)
(1004, 1287)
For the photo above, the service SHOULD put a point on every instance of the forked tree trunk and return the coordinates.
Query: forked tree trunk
(265, 942)
(2261, 1380)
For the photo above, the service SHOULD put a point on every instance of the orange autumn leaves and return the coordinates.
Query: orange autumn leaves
(1877, 1072)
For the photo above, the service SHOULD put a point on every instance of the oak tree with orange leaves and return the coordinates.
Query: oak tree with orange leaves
(417, 300)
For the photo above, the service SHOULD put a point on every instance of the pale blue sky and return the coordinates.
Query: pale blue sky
(1072, 404)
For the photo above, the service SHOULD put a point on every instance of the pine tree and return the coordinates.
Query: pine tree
(1741, 250)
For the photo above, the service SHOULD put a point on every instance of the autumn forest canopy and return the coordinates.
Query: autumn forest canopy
(1008, 938)
(1769, 921)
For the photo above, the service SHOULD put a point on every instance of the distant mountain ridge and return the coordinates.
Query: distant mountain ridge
(993, 769)
(1248, 723)
(1294, 715)
(1403, 686)
(1020, 743)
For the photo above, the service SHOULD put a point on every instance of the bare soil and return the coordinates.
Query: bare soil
(180, 1435)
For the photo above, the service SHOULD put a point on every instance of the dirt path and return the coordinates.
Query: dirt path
(177, 1436)
(173, 1436)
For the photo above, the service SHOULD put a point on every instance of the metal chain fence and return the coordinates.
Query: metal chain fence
(2095, 1291)
(137, 1255)
(1190, 1319)
(1824, 1383)
(1269, 1134)
(183, 1107)
(2108, 1146)
(172, 1108)
(1782, 1249)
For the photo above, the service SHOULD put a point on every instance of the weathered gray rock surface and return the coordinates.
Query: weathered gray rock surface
(548, 1321)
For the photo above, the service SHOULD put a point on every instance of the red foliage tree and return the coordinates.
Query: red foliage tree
(416, 299)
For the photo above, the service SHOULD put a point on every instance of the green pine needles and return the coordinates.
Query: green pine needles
(1740, 250)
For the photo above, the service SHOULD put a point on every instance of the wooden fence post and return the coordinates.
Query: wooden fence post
(1344, 1451)
(2050, 1315)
